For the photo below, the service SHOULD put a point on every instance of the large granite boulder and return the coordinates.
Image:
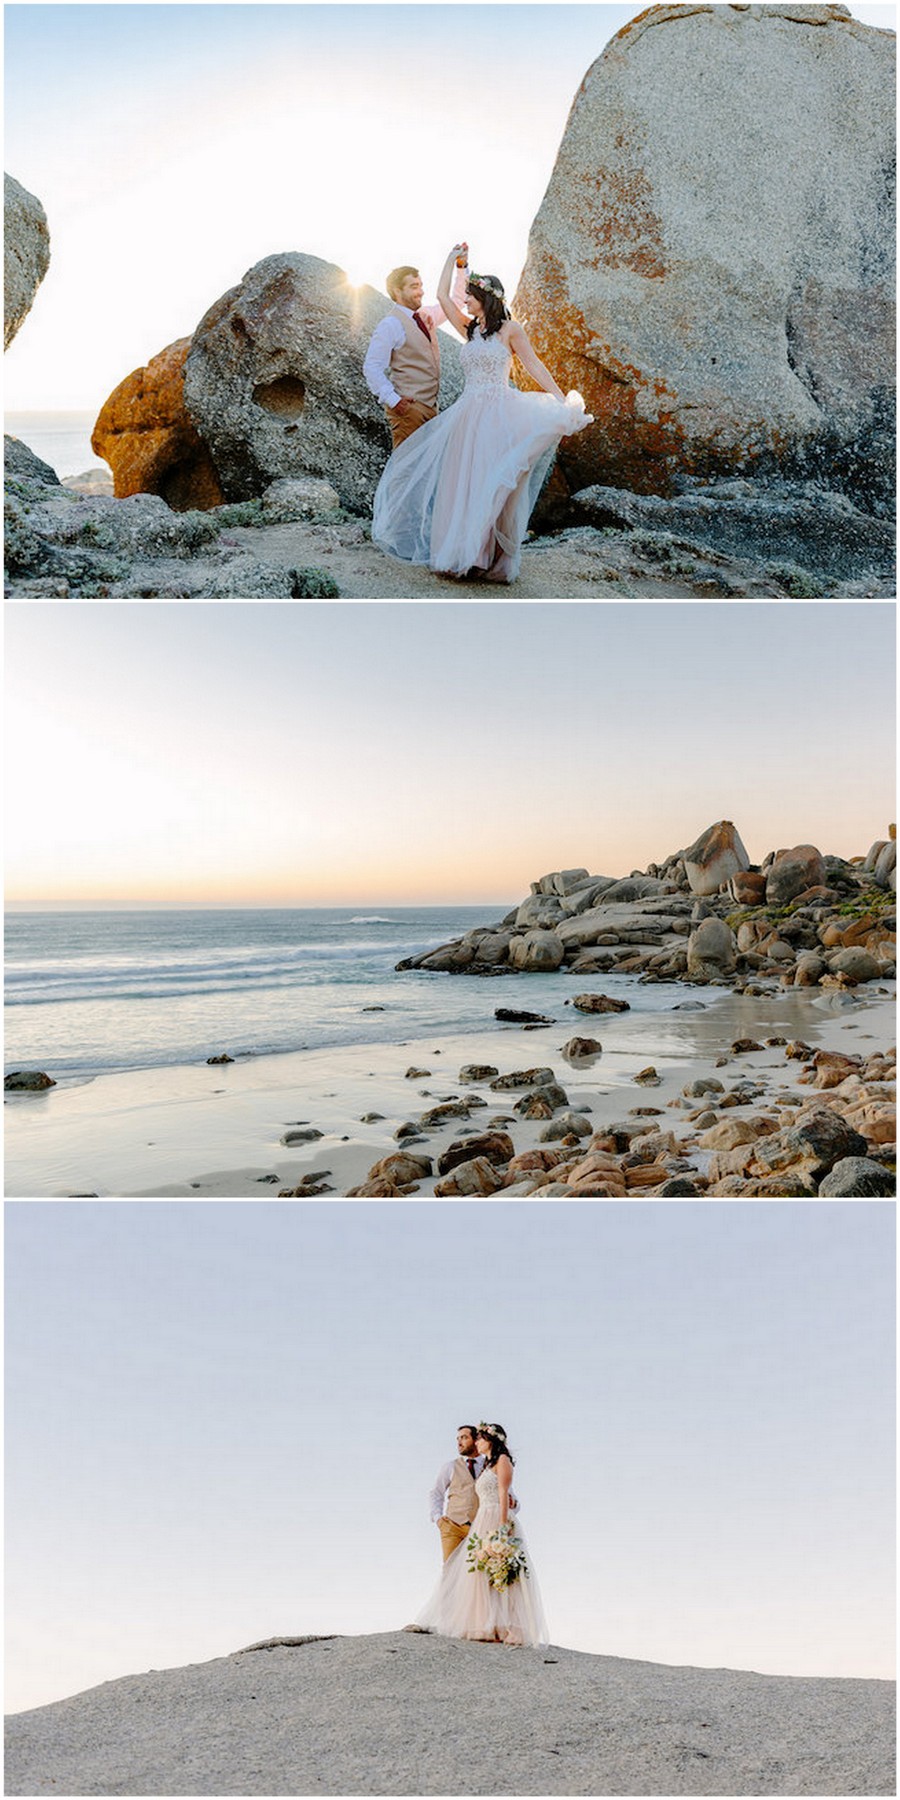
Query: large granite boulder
(792, 872)
(143, 431)
(714, 858)
(711, 951)
(274, 384)
(26, 254)
(536, 951)
(712, 263)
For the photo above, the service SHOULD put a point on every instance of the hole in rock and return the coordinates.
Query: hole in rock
(286, 396)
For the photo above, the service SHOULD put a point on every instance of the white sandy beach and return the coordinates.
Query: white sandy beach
(214, 1132)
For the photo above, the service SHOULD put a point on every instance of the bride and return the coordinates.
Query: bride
(465, 1604)
(457, 495)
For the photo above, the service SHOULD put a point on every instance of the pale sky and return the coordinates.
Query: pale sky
(174, 146)
(202, 1398)
(344, 753)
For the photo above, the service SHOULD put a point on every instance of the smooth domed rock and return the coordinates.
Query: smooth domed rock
(144, 433)
(856, 964)
(792, 872)
(26, 254)
(711, 950)
(274, 382)
(712, 263)
(717, 855)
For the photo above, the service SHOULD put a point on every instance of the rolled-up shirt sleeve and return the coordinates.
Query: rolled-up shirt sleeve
(386, 337)
(438, 1493)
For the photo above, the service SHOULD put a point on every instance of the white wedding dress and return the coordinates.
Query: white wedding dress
(458, 493)
(464, 1605)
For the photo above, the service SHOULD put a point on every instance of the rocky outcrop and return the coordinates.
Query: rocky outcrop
(806, 537)
(27, 1081)
(274, 384)
(26, 254)
(712, 263)
(58, 543)
(143, 431)
(700, 915)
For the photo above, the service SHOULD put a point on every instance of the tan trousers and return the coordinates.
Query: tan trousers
(451, 1536)
(404, 424)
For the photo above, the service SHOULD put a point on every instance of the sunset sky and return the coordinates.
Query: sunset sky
(344, 753)
(174, 146)
(699, 1398)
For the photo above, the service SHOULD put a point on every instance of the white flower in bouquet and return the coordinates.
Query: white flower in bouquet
(499, 1556)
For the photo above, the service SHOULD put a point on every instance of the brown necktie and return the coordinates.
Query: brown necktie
(422, 325)
(471, 1462)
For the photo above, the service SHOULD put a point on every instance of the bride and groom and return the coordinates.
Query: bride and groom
(488, 1591)
(458, 491)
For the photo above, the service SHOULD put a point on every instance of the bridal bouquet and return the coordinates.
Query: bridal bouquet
(499, 1556)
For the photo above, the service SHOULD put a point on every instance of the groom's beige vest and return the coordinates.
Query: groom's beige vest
(462, 1500)
(416, 366)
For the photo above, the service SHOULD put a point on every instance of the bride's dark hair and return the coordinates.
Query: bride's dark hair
(489, 291)
(496, 1437)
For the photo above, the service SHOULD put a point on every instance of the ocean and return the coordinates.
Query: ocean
(90, 992)
(62, 439)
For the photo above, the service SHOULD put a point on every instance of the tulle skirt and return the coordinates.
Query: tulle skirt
(457, 494)
(464, 1605)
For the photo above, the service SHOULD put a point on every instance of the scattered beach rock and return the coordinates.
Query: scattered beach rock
(224, 1058)
(513, 1016)
(477, 1072)
(306, 1136)
(599, 1003)
(30, 1081)
(581, 1049)
(496, 1147)
(855, 1176)
(26, 254)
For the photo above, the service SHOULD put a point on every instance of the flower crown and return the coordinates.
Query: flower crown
(492, 1431)
(487, 282)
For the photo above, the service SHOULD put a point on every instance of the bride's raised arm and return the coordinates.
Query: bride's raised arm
(459, 320)
(504, 1478)
(519, 342)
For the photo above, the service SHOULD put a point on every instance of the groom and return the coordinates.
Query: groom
(402, 366)
(453, 1499)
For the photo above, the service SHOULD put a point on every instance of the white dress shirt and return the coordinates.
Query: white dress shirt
(389, 335)
(438, 1495)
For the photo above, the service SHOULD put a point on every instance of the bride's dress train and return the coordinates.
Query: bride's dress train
(464, 1605)
(458, 494)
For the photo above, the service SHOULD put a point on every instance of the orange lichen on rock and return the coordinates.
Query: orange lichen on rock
(143, 432)
(643, 446)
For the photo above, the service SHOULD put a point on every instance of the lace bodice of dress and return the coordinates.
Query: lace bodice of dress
(486, 363)
(487, 1489)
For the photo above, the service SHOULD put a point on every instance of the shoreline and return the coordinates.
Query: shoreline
(207, 1132)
